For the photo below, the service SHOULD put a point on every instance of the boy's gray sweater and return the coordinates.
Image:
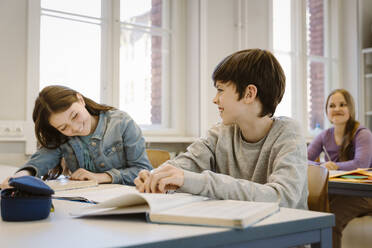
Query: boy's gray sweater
(224, 166)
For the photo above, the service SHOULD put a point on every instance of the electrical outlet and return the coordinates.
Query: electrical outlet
(17, 130)
(4, 130)
(11, 129)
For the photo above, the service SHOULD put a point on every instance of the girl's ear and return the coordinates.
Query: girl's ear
(250, 93)
(80, 99)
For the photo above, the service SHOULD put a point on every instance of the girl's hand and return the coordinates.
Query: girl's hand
(5, 183)
(83, 174)
(330, 165)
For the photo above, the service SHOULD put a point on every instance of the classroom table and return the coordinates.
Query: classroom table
(350, 189)
(288, 227)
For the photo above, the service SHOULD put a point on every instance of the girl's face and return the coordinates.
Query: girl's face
(337, 109)
(75, 121)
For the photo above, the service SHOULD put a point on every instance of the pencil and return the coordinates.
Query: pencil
(326, 153)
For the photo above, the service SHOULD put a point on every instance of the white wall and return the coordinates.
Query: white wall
(13, 57)
(217, 41)
(227, 26)
(349, 45)
(13, 37)
(365, 12)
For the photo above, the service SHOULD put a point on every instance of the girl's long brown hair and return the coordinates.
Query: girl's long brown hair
(56, 99)
(346, 151)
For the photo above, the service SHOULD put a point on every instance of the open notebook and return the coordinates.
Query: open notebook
(360, 175)
(181, 208)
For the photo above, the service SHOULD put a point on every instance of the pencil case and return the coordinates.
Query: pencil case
(29, 199)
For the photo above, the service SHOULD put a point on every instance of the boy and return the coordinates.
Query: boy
(251, 156)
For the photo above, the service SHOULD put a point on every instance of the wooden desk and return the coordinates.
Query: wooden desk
(289, 227)
(350, 189)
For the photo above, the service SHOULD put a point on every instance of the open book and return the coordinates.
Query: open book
(180, 208)
(360, 175)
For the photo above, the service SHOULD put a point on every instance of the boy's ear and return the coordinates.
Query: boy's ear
(80, 99)
(250, 93)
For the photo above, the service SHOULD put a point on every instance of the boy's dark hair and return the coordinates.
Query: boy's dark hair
(257, 67)
(56, 99)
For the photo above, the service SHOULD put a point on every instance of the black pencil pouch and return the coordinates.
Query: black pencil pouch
(29, 199)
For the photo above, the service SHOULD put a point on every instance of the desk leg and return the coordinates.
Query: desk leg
(325, 239)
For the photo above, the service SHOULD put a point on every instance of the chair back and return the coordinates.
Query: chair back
(157, 157)
(318, 188)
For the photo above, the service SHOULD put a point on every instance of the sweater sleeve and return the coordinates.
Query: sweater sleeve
(363, 152)
(287, 182)
(200, 155)
(315, 148)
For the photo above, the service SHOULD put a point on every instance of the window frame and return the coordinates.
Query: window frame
(300, 57)
(110, 64)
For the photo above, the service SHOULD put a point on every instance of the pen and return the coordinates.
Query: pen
(326, 153)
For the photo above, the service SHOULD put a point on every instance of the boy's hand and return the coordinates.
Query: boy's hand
(141, 180)
(167, 177)
(330, 165)
(82, 174)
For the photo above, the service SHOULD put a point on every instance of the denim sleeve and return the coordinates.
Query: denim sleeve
(135, 153)
(43, 160)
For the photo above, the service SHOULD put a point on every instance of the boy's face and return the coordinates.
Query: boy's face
(227, 100)
(75, 121)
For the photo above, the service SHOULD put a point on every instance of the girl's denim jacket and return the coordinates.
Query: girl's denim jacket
(117, 147)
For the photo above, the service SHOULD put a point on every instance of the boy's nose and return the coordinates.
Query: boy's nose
(215, 99)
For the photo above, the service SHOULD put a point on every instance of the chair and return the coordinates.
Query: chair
(318, 188)
(157, 157)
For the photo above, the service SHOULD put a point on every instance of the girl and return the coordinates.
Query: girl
(347, 143)
(97, 142)
(349, 146)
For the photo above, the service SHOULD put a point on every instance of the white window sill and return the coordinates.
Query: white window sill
(12, 139)
(169, 139)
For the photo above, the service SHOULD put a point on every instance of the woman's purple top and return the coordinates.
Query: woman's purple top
(362, 148)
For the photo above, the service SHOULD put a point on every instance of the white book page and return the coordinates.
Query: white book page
(126, 199)
(98, 194)
(335, 172)
(156, 202)
(222, 209)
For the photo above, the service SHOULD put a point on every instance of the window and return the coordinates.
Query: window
(117, 52)
(70, 45)
(144, 60)
(321, 57)
(283, 50)
(301, 44)
(316, 61)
